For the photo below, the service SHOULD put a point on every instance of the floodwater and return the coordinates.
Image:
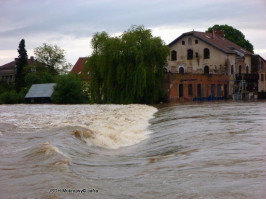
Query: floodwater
(205, 150)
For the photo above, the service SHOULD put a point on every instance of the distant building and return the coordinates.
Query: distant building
(259, 69)
(8, 71)
(204, 66)
(79, 68)
(40, 93)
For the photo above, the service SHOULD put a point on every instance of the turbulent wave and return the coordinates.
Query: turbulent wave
(47, 155)
(108, 126)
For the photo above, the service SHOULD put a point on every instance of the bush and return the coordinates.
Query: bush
(9, 97)
(68, 90)
(37, 78)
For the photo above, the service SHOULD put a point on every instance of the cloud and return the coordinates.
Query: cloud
(71, 24)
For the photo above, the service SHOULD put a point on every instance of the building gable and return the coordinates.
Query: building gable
(216, 41)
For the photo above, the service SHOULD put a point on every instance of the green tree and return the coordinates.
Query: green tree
(22, 61)
(53, 57)
(38, 77)
(128, 68)
(234, 36)
(68, 90)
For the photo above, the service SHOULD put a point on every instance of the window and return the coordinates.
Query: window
(232, 69)
(189, 54)
(173, 55)
(190, 91)
(206, 53)
(247, 69)
(183, 42)
(196, 41)
(219, 90)
(212, 90)
(206, 70)
(180, 90)
(189, 41)
(225, 91)
(197, 55)
(181, 70)
(240, 70)
(199, 90)
(262, 77)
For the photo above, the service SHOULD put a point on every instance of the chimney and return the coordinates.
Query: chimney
(213, 34)
(32, 58)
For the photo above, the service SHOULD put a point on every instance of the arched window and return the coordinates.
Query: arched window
(181, 70)
(189, 54)
(206, 53)
(232, 69)
(247, 69)
(240, 69)
(206, 70)
(173, 55)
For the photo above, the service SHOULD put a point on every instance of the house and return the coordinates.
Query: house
(204, 66)
(259, 68)
(79, 68)
(40, 93)
(8, 71)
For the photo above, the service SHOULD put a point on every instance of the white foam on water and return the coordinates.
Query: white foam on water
(112, 126)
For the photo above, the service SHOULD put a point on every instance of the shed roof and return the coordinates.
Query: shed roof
(41, 90)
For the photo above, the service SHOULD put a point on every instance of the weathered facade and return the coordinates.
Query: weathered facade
(206, 64)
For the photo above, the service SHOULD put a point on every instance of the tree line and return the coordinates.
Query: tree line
(123, 69)
(49, 66)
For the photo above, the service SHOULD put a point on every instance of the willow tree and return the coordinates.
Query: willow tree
(128, 68)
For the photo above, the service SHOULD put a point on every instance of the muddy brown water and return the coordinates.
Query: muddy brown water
(205, 150)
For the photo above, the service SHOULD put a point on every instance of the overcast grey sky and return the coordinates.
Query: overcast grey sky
(71, 23)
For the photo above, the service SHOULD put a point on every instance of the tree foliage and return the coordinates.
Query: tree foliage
(233, 35)
(21, 62)
(128, 68)
(38, 77)
(68, 90)
(52, 56)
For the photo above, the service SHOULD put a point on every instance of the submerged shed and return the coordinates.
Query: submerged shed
(40, 93)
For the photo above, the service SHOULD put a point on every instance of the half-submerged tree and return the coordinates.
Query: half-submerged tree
(128, 68)
(21, 62)
(234, 36)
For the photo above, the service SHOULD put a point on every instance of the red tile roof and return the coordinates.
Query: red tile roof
(218, 42)
(79, 66)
